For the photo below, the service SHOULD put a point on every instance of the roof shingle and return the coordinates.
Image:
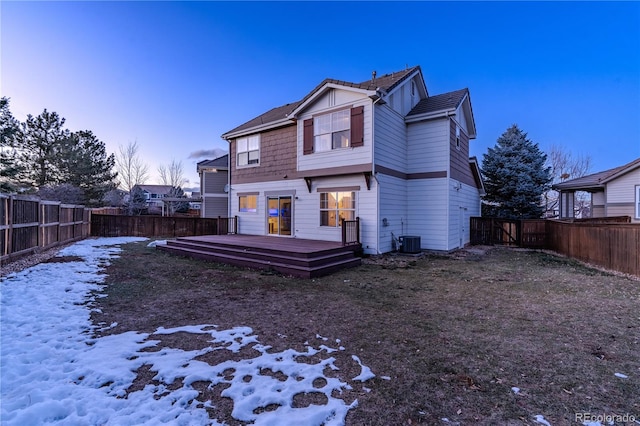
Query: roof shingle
(443, 102)
(595, 180)
(386, 82)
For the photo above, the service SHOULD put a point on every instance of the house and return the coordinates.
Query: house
(382, 150)
(154, 195)
(214, 184)
(614, 192)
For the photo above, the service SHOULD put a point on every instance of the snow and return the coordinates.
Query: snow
(56, 370)
(539, 418)
(157, 243)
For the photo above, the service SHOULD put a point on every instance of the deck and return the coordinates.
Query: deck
(289, 256)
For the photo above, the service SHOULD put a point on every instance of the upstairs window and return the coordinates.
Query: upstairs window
(458, 137)
(248, 151)
(336, 207)
(334, 130)
(331, 131)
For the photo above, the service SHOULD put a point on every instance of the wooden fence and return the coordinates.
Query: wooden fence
(613, 246)
(105, 225)
(613, 243)
(523, 233)
(28, 224)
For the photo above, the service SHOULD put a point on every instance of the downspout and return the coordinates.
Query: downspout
(229, 181)
(373, 168)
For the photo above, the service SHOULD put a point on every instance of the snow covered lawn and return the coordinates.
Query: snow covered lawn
(57, 368)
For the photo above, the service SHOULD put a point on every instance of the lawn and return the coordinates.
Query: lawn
(483, 336)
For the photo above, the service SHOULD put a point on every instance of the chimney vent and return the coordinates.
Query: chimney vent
(373, 76)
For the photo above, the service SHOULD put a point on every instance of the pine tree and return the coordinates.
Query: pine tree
(10, 168)
(84, 163)
(137, 203)
(177, 206)
(40, 147)
(515, 177)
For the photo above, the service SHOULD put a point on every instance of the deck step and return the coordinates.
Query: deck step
(293, 258)
(311, 270)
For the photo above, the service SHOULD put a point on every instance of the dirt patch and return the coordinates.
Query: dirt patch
(455, 334)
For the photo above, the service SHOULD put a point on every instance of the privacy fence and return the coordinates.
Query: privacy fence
(613, 243)
(108, 225)
(29, 224)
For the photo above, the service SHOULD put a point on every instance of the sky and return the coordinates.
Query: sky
(59, 368)
(174, 76)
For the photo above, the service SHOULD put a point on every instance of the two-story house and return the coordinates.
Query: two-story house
(154, 195)
(382, 150)
(214, 185)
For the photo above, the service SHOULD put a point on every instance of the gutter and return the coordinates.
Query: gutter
(256, 129)
(430, 116)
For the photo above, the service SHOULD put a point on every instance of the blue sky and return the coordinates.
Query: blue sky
(174, 76)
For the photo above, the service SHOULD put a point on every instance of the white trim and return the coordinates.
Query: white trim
(320, 91)
(257, 129)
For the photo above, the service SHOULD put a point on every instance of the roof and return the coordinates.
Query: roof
(597, 180)
(282, 113)
(222, 161)
(156, 189)
(271, 116)
(444, 102)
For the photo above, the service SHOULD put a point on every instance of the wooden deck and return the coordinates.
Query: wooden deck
(289, 256)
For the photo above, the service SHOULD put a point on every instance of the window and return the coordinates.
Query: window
(458, 137)
(336, 207)
(637, 201)
(332, 131)
(248, 150)
(248, 203)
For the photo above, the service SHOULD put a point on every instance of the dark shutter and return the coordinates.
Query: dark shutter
(307, 146)
(357, 126)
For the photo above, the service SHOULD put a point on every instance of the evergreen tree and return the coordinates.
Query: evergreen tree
(515, 177)
(41, 144)
(177, 206)
(10, 168)
(65, 193)
(84, 163)
(137, 203)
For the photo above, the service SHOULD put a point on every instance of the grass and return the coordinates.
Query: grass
(454, 333)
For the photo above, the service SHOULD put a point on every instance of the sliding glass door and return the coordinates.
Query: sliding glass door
(279, 211)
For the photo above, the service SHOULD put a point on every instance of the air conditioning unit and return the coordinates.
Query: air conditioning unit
(409, 244)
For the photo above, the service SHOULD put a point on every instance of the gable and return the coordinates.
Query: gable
(333, 98)
(405, 96)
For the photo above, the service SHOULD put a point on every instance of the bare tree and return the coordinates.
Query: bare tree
(565, 166)
(130, 167)
(172, 174)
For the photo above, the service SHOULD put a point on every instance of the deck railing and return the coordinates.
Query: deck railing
(227, 225)
(351, 232)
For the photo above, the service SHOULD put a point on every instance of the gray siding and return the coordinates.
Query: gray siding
(214, 183)
(214, 207)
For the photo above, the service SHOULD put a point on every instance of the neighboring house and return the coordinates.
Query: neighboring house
(154, 195)
(195, 201)
(214, 184)
(614, 192)
(382, 150)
